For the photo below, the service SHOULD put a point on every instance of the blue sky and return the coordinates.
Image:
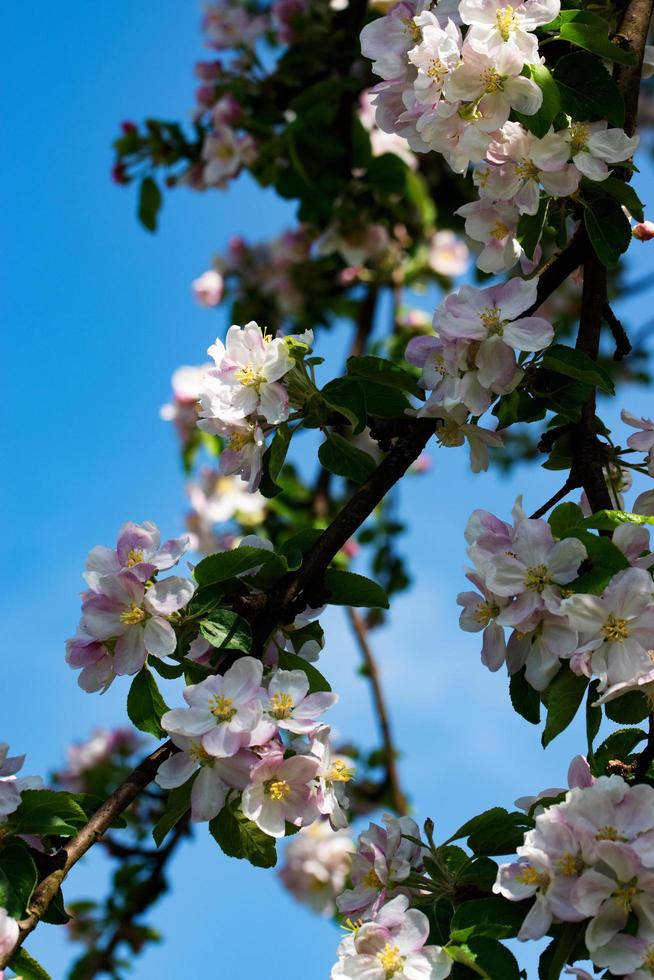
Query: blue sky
(98, 315)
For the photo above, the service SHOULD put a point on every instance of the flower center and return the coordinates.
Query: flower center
(648, 962)
(412, 28)
(132, 615)
(537, 578)
(277, 789)
(579, 133)
(609, 833)
(390, 960)
(436, 69)
(199, 755)
(281, 706)
(492, 80)
(372, 880)
(449, 435)
(507, 21)
(500, 231)
(625, 894)
(340, 772)
(530, 876)
(239, 440)
(134, 557)
(527, 169)
(225, 151)
(249, 376)
(492, 315)
(485, 611)
(222, 708)
(615, 629)
(571, 865)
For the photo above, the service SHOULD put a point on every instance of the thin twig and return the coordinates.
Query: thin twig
(569, 485)
(398, 799)
(622, 342)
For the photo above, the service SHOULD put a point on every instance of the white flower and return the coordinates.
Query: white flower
(333, 774)
(495, 224)
(591, 146)
(496, 25)
(215, 779)
(11, 787)
(281, 790)
(316, 865)
(437, 54)
(9, 932)
(291, 706)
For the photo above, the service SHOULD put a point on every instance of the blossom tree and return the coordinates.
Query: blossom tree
(515, 125)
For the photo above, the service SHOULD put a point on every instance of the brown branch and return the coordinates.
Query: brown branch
(397, 797)
(554, 499)
(91, 832)
(622, 342)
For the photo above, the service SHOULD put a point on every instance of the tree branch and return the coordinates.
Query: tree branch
(360, 631)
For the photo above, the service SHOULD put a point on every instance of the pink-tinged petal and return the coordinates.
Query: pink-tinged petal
(590, 166)
(493, 650)
(271, 818)
(495, 363)
(199, 695)
(243, 680)
(97, 676)
(300, 768)
(613, 145)
(236, 770)
(188, 721)
(565, 558)
(252, 800)
(170, 552)
(586, 613)
(315, 705)
(175, 771)
(531, 333)
(208, 795)
(101, 617)
(629, 592)
(537, 921)
(430, 963)
(169, 595)
(413, 931)
(262, 733)
(221, 741)
(505, 576)
(248, 716)
(295, 683)
(273, 402)
(130, 653)
(560, 183)
(622, 955)
(515, 296)
(159, 637)
(610, 919)
(591, 890)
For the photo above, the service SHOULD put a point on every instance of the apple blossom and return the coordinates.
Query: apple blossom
(281, 790)
(216, 778)
(616, 628)
(590, 146)
(480, 612)
(392, 946)
(290, 705)
(208, 288)
(539, 644)
(387, 40)
(224, 710)
(225, 153)
(333, 773)
(93, 657)
(9, 933)
(494, 224)
(448, 255)
(135, 617)
(643, 440)
(183, 410)
(139, 551)
(217, 499)
(11, 786)
(454, 429)
(230, 25)
(497, 26)
(316, 866)
(436, 55)
(493, 83)
(610, 895)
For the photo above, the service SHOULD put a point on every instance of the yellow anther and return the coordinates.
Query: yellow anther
(249, 376)
(530, 876)
(239, 440)
(134, 557)
(340, 772)
(507, 21)
(132, 615)
(615, 629)
(537, 578)
(391, 960)
(199, 755)
(500, 231)
(281, 706)
(609, 833)
(492, 315)
(492, 80)
(579, 135)
(372, 880)
(222, 708)
(485, 611)
(571, 865)
(277, 789)
(625, 894)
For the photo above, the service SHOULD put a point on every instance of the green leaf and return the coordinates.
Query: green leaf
(619, 745)
(341, 457)
(607, 520)
(44, 812)
(418, 194)
(226, 630)
(560, 951)
(563, 697)
(481, 871)
(539, 122)
(241, 838)
(588, 92)
(608, 229)
(494, 917)
(177, 804)
(565, 517)
(145, 705)
(228, 564)
(628, 709)
(150, 201)
(590, 31)
(604, 560)
(518, 406)
(530, 228)
(26, 967)
(615, 188)
(525, 700)
(350, 589)
(55, 913)
(385, 373)
(169, 672)
(291, 661)
(575, 364)
(346, 396)
(496, 831)
(496, 960)
(274, 459)
(18, 877)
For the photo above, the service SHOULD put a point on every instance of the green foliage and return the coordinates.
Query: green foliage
(564, 518)
(345, 395)
(18, 878)
(350, 589)
(604, 560)
(575, 364)
(590, 31)
(628, 709)
(497, 962)
(539, 122)
(494, 917)
(587, 90)
(385, 373)
(273, 461)
(226, 630)
(177, 804)
(150, 202)
(241, 838)
(145, 705)
(496, 831)
(525, 700)
(44, 812)
(291, 661)
(342, 458)
(607, 520)
(26, 967)
(613, 187)
(618, 745)
(608, 229)
(562, 699)
(229, 564)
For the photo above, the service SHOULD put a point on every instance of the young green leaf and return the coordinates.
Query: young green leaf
(562, 699)
(587, 91)
(291, 661)
(27, 968)
(18, 877)
(575, 364)
(241, 838)
(150, 201)
(608, 229)
(177, 804)
(589, 31)
(350, 589)
(226, 630)
(539, 122)
(345, 395)
(342, 458)
(145, 705)
(229, 564)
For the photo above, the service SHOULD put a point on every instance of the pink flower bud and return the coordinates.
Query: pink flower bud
(128, 127)
(208, 288)
(208, 71)
(118, 174)
(351, 548)
(643, 231)
(205, 96)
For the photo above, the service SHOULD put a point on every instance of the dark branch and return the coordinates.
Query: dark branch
(622, 342)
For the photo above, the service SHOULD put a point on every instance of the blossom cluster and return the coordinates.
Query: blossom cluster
(522, 572)
(127, 612)
(12, 786)
(454, 94)
(391, 945)
(316, 865)
(232, 731)
(472, 358)
(246, 394)
(215, 500)
(592, 857)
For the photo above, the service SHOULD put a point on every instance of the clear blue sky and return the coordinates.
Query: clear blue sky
(98, 313)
